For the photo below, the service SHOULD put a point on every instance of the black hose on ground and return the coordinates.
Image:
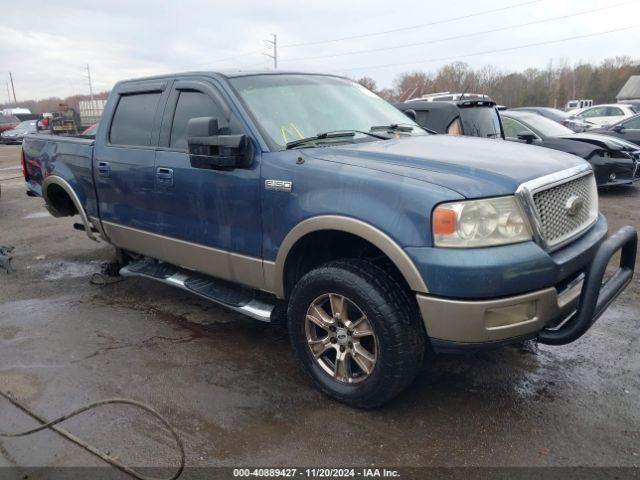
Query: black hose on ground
(52, 425)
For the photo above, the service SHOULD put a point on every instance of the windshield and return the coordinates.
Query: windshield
(28, 126)
(292, 107)
(8, 119)
(548, 128)
(480, 122)
(554, 114)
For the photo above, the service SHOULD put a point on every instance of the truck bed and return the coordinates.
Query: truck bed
(69, 158)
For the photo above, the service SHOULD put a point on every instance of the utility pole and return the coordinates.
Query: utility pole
(8, 93)
(13, 88)
(90, 86)
(273, 55)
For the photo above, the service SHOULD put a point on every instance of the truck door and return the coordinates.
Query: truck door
(124, 163)
(210, 217)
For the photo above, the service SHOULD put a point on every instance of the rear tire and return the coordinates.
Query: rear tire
(356, 332)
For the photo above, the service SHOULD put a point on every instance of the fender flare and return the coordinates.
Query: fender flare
(61, 182)
(274, 271)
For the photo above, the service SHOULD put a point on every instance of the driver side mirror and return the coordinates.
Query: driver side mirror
(528, 137)
(618, 128)
(211, 148)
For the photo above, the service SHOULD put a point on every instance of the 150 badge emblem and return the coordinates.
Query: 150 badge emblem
(278, 185)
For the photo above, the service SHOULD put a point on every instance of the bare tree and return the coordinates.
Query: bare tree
(368, 82)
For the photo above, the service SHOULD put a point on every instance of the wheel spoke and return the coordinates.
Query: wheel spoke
(363, 329)
(351, 325)
(321, 346)
(317, 315)
(338, 306)
(363, 358)
(342, 370)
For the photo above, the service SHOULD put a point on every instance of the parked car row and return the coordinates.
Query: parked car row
(614, 158)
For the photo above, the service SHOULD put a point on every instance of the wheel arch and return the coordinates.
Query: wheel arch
(275, 271)
(55, 190)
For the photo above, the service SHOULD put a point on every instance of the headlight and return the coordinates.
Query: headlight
(479, 223)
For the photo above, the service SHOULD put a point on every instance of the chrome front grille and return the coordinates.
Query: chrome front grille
(561, 206)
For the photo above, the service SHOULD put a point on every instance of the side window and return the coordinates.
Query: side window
(133, 120)
(191, 104)
(454, 127)
(633, 124)
(512, 128)
(614, 112)
(594, 112)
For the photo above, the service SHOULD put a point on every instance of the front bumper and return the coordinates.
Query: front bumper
(553, 316)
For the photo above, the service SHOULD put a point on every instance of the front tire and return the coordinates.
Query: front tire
(356, 332)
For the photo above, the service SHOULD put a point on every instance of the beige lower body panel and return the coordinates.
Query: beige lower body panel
(464, 321)
(211, 261)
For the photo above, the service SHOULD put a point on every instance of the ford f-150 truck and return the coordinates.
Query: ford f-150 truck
(308, 198)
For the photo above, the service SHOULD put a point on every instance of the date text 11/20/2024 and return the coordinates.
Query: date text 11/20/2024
(316, 472)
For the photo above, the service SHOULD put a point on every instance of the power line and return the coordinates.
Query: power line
(220, 60)
(456, 37)
(486, 52)
(412, 27)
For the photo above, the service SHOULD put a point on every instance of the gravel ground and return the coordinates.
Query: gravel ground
(237, 397)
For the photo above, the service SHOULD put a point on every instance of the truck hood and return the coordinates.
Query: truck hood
(473, 167)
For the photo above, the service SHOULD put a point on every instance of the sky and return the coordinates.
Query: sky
(47, 45)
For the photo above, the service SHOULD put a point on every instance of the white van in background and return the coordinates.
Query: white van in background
(578, 104)
(15, 111)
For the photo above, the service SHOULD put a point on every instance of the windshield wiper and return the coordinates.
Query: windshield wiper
(394, 127)
(330, 135)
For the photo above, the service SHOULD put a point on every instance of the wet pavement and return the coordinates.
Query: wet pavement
(232, 388)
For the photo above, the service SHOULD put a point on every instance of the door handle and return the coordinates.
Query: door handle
(165, 176)
(104, 168)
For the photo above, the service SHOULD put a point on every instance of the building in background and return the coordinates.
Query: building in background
(90, 111)
(630, 92)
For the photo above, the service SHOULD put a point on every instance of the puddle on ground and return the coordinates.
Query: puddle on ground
(37, 215)
(60, 270)
(19, 385)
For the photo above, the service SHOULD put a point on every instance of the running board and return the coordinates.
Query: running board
(227, 294)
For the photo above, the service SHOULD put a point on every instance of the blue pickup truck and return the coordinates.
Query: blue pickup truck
(306, 198)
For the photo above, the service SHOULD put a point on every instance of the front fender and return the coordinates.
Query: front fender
(275, 270)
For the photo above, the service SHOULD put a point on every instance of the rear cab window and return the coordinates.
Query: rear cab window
(480, 122)
(133, 120)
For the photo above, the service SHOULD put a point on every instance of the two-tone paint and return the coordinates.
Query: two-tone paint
(229, 224)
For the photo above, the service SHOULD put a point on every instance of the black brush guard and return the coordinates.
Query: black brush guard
(596, 296)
